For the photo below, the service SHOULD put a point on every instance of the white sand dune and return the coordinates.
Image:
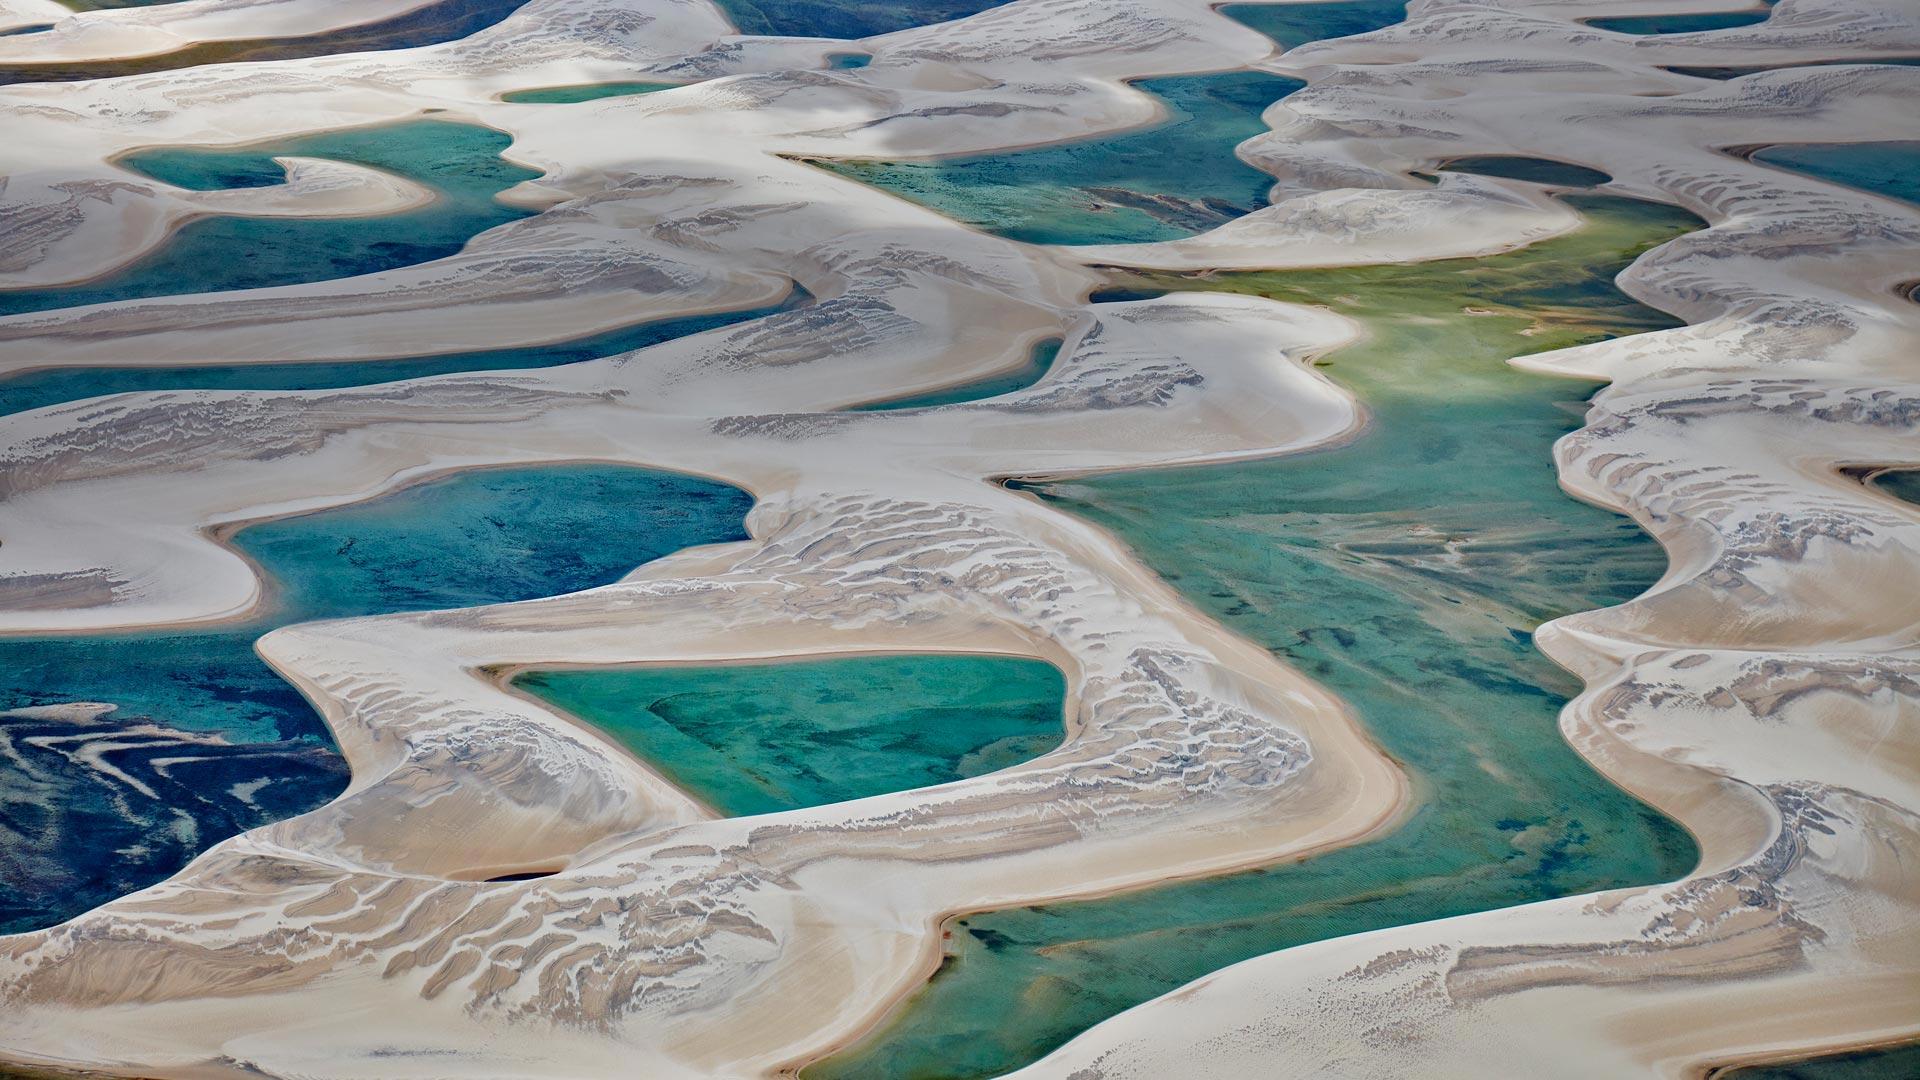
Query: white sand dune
(1764, 693)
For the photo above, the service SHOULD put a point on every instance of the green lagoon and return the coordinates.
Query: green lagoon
(1407, 572)
(764, 737)
(1896, 1063)
(1891, 169)
(568, 95)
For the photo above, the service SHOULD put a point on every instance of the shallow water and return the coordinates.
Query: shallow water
(1173, 179)
(1900, 483)
(1899, 1063)
(759, 738)
(1679, 24)
(1532, 169)
(1737, 72)
(38, 389)
(1883, 168)
(1406, 572)
(567, 95)
(445, 20)
(459, 161)
(1039, 361)
(74, 836)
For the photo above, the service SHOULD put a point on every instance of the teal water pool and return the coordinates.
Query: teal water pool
(1679, 23)
(1406, 572)
(1293, 25)
(1039, 362)
(567, 95)
(844, 18)
(51, 386)
(1173, 179)
(212, 742)
(1891, 169)
(461, 162)
(760, 738)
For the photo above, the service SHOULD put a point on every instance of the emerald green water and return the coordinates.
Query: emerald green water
(759, 738)
(459, 161)
(1533, 169)
(213, 741)
(1883, 168)
(1679, 24)
(1899, 1063)
(567, 95)
(1039, 361)
(51, 386)
(1171, 180)
(1407, 572)
(1900, 483)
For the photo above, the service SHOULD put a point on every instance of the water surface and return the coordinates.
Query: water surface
(844, 18)
(1039, 361)
(51, 386)
(1532, 169)
(1406, 572)
(1679, 23)
(208, 741)
(1292, 25)
(433, 24)
(760, 738)
(1898, 1063)
(1891, 169)
(1172, 179)
(461, 162)
(567, 95)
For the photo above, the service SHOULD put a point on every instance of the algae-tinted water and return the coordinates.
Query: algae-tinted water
(38, 389)
(1749, 69)
(431, 24)
(461, 162)
(759, 738)
(1173, 179)
(1901, 484)
(567, 95)
(1406, 572)
(1898, 1063)
(1679, 24)
(212, 742)
(1038, 362)
(1291, 25)
(1883, 168)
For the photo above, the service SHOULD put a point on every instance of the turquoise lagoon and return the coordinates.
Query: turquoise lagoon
(1891, 169)
(568, 95)
(72, 837)
(459, 161)
(51, 386)
(764, 737)
(431, 24)
(844, 18)
(1292, 25)
(1407, 572)
(1173, 179)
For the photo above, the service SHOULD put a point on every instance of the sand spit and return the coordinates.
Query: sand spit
(1744, 695)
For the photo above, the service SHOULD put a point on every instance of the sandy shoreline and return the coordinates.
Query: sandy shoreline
(687, 945)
